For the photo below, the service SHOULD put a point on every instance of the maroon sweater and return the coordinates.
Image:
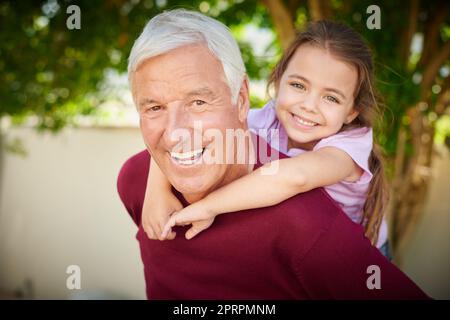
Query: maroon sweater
(302, 248)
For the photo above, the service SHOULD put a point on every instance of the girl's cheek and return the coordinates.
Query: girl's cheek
(285, 98)
(332, 118)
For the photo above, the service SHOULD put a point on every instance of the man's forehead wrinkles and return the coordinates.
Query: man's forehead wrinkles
(191, 87)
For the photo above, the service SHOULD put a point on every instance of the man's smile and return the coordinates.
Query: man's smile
(187, 158)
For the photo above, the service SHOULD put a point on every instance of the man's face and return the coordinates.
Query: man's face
(174, 93)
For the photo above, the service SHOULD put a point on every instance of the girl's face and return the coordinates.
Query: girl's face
(315, 96)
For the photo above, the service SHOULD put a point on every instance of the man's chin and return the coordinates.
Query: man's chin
(190, 186)
(197, 179)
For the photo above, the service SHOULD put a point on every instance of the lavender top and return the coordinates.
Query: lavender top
(357, 143)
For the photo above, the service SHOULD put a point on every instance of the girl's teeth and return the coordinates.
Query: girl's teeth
(304, 122)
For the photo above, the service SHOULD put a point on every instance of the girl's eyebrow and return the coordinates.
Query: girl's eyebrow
(337, 92)
(297, 76)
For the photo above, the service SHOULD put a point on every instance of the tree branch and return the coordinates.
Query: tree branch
(443, 100)
(432, 69)
(432, 34)
(282, 20)
(319, 9)
(292, 7)
(409, 32)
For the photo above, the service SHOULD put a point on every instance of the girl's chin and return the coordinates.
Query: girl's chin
(301, 143)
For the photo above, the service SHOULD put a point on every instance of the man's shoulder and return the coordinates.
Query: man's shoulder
(307, 218)
(136, 163)
(315, 206)
(131, 183)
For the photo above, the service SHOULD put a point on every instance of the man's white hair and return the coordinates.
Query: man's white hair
(176, 28)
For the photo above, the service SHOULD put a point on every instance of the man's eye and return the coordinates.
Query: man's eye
(332, 99)
(199, 102)
(154, 108)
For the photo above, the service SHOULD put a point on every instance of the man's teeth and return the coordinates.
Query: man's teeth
(304, 122)
(187, 157)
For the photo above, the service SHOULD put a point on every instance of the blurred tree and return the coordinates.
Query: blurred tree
(53, 73)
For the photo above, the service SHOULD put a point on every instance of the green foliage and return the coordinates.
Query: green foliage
(54, 73)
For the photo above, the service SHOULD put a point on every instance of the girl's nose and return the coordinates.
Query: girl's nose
(309, 104)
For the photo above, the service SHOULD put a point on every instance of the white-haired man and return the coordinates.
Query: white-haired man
(186, 68)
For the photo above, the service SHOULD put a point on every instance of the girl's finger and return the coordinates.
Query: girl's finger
(150, 233)
(192, 232)
(171, 236)
(167, 229)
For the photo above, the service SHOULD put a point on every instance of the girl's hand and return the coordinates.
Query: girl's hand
(156, 212)
(196, 214)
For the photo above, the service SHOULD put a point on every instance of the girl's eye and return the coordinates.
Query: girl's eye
(332, 99)
(298, 85)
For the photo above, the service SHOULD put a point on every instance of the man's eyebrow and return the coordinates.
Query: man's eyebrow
(204, 91)
(145, 101)
(297, 76)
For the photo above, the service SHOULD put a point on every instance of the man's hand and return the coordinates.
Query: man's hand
(156, 212)
(196, 214)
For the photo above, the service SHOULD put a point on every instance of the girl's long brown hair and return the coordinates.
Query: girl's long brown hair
(347, 45)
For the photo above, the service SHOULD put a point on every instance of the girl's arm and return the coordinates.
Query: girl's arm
(159, 203)
(302, 173)
(295, 175)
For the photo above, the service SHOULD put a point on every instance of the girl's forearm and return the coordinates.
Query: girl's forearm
(157, 180)
(292, 176)
(256, 190)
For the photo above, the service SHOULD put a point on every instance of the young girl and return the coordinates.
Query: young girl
(323, 114)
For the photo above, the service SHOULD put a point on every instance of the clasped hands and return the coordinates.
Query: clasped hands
(161, 215)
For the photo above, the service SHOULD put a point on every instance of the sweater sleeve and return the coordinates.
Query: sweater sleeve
(342, 264)
(131, 184)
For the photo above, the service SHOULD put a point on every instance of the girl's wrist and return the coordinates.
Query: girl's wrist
(208, 207)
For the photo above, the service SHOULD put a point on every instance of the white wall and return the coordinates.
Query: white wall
(59, 206)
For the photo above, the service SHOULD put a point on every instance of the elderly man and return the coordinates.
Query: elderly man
(184, 69)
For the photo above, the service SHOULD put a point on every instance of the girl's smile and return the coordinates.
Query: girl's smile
(303, 123)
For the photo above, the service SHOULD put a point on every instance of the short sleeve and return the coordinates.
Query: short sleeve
(263, 118)
(357, 143)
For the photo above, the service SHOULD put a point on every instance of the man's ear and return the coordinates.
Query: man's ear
(352, 115)
(243, 101)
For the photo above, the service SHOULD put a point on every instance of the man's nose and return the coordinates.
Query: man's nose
(177, 130)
